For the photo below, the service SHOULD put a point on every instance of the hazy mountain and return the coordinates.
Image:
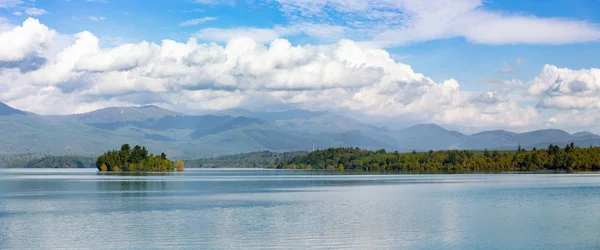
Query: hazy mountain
(124, 114)
(585, 134)
(423, 137)
(500, 139)
(431, 136)
(327, 123)
(307, 121)
(496, 139)
(168, 123)
(544, 136)
(233, 123)
(188, 136)
(272, 115)
(7, 110)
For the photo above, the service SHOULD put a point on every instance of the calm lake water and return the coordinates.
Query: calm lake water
(235, 209)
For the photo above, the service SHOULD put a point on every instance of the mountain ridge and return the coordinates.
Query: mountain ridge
(193, 136)
(8, 110)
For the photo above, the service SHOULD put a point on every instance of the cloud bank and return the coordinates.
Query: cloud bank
(55, 73)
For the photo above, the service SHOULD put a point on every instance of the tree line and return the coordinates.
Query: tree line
(37, 160)
(569, 158)
(136, 159)
(246, 160)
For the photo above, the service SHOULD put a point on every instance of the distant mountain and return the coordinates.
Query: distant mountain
(585, 134)
(327, 123)
(500, 139)
(124, 114)
(180, 122)
(272, 115)
(544, 136)
(496, 139)
(431, 136)
(423, 137)
(236, 122)
(7, 110)
(240, 131)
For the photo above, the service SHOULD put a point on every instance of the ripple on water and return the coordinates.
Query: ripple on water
(234, 209)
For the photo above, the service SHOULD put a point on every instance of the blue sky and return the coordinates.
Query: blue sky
(477, 43)
(135, 20)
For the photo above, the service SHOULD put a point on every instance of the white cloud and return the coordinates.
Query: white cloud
(577, 120)
(79, 75)
(197, 21)
(507, 69)
(563, 88)
(265, 35)
(192, 10)
(30, 38)
(97, 18)
(519, 61)
(389, 23)
(17, 13)
(35, 11)
(5, 25)
(496, 28)
(504, 84)
(124, 57)
(257, 34)
(216, 2)
(10, 3)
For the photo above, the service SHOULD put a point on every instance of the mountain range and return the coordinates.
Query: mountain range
(238, 131)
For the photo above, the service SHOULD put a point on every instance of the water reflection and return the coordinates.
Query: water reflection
(236, 209)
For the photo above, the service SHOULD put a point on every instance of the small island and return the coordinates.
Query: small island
(136, 159)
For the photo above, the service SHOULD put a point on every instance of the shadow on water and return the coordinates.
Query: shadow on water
(139, 173)
(134, 184)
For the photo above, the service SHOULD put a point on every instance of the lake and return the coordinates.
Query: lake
(255, 208)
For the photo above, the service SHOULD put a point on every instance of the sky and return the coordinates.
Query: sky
(470, 65)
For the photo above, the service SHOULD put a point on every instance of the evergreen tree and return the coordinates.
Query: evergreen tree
(136, 159)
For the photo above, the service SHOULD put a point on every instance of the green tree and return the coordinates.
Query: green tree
(136, 159)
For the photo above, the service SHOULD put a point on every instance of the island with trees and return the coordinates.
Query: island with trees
(569, 158)
(136, 159)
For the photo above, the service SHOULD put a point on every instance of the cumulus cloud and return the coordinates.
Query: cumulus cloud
(576, 119)
(30, 38)
(78, 75)
(563, 88)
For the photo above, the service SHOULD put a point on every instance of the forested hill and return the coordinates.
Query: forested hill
(45, 161)
(553, 158)
(248, 160)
